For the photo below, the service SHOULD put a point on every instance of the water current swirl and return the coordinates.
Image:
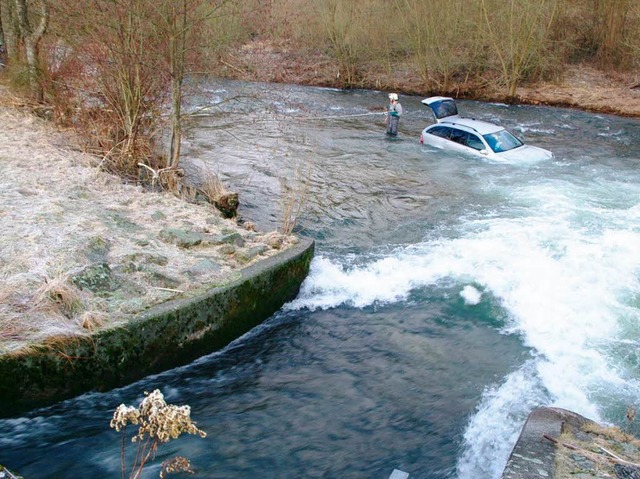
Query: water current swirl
(449, 296)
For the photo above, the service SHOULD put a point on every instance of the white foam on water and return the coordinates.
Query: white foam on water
(533, 127)
(486, 438)
(565, 273)
(471, 295)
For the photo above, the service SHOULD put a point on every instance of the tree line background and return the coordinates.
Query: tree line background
(116, 69)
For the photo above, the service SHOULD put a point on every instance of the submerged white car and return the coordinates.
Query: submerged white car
(476, 137)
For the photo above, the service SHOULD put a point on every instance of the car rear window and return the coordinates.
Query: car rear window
(444, 108)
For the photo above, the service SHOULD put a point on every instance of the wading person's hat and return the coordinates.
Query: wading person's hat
(393, 96)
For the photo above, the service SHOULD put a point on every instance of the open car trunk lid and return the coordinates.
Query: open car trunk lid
(442, 107)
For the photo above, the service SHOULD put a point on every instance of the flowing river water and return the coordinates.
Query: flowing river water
(449, 296)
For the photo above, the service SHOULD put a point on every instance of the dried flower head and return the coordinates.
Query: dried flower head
(124, 415)
(175, 464)
(157, 422)
(157, 419)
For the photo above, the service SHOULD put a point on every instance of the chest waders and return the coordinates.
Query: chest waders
(392, 125)
(392, 122)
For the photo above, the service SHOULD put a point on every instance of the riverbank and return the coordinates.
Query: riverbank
(105, 282)
(82, 250)
(285, 349)
(581, 86)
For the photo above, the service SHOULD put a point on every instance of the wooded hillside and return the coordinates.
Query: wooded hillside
(109, 67)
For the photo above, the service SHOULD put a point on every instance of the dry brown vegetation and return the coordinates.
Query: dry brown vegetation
(114, 70)
(596, 451)
(582, 53)
(157, 423)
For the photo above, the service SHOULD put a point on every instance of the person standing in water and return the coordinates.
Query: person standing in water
(393, 115)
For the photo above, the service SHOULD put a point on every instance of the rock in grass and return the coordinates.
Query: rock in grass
(96, 278)
(180, 237)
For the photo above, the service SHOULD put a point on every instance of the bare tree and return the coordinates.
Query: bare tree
(177, 26)
(2, 41)
(631, 41)
(341, 20)
(182, 25)
(134, 56)
(440, 36)
(517, 31)
(31, 36)
(612, 24)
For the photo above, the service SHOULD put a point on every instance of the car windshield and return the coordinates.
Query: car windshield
(502, 141)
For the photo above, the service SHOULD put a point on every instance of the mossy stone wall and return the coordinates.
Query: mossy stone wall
(166, 336)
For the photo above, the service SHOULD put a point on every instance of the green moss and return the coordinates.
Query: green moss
(123, 222)
(165, 336)
(96, 278)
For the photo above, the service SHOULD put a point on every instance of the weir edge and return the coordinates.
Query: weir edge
(165, 336)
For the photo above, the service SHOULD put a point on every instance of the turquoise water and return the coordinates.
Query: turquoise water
(449, 296)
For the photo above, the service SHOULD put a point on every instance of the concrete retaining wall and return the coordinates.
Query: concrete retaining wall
(166, 336)
(561, 444)
(533, 456)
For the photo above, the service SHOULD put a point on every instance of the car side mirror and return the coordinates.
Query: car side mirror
(484, 152)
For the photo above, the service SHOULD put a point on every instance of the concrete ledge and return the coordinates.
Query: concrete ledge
(533, 456)
(166, 336)
(560, 444)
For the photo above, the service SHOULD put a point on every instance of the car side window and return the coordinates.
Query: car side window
(441, 131)
(459, 136)
(473, 141)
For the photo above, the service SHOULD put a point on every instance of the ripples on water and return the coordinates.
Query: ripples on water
(449, 296)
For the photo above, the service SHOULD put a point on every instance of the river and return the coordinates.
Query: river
(449, 296)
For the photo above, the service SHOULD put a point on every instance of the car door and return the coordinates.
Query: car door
(437, 136)
(458, 141)
(474, 142)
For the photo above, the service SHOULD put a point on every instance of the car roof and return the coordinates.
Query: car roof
(482, 127)
(451, 117)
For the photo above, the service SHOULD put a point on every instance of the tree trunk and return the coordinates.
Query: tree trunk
(176, 125)
(177, 54)
(2, 47)
(32, 37)
(10, 32)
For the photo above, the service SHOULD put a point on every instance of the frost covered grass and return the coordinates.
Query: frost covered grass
(81, 250)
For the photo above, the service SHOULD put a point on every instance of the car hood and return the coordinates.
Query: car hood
(526, 153)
